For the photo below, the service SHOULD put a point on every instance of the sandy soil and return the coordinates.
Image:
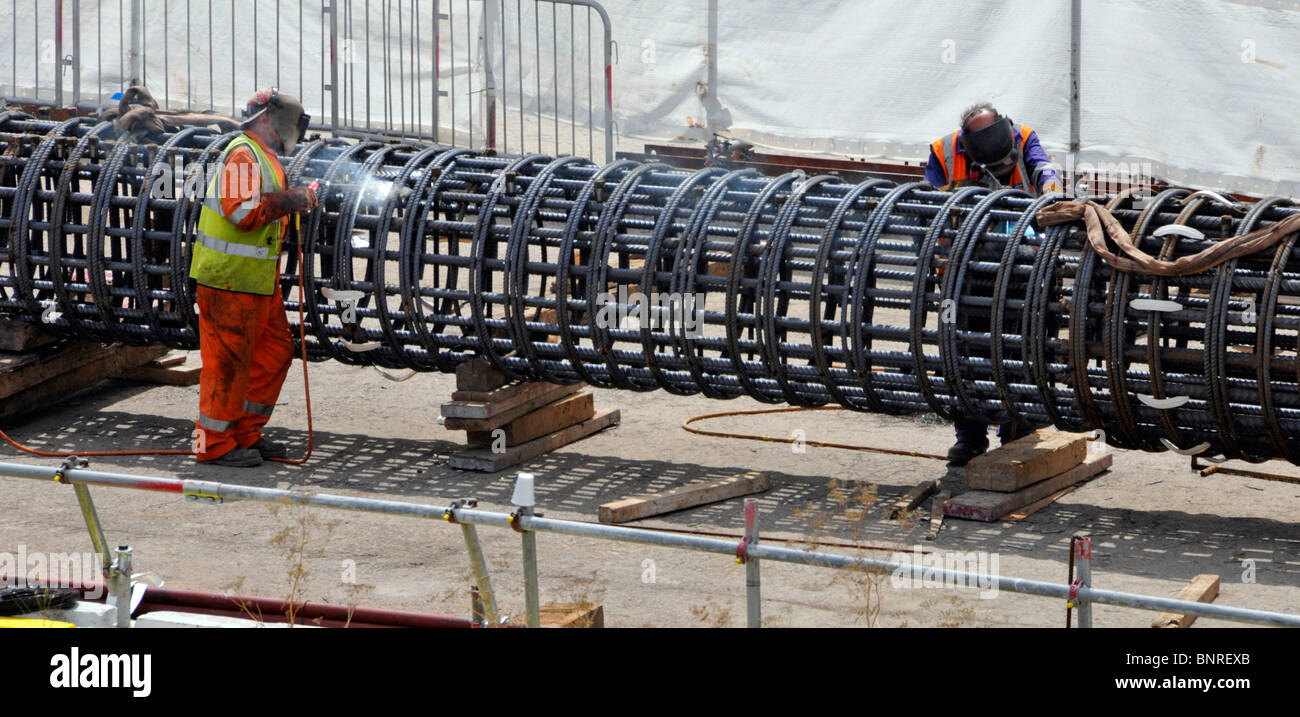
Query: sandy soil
(1155, 523)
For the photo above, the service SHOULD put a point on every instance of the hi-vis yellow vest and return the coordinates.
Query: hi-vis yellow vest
(226, 258)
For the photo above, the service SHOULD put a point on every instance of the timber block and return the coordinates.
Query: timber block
(548, 419)
(489, 461)
(988, 506)
(22, 336)
(1025, 461)
(485, 416)
(573, 614)
(478, 375)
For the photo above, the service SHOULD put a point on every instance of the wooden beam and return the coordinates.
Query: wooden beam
(483, 459)
(478, 375)
(46, 377)
(688, 496)
(166, 371)
(573, 614)
(988, 506)
(504, 393)
(547, 419)
(149, 373)
(913, 498)
(1022, 462)
(22, 336)
(1202, 588)
(937, 511)
(507, 398)
(499, 414)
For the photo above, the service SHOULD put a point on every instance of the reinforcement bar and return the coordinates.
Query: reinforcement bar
(794, 289)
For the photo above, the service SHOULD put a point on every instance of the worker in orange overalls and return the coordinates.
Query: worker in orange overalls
(244, 337)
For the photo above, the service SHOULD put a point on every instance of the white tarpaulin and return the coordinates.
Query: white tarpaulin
(1202, 92)
(1199, 92)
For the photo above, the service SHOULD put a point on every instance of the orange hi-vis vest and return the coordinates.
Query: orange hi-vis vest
(955, 168)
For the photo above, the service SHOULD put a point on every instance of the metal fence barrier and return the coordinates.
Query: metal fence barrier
(507, 75)
(748, 550)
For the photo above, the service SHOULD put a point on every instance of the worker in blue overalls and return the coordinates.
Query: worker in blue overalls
(991, 150)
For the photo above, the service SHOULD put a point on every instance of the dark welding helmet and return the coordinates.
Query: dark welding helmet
(994, 146)
(285, 112)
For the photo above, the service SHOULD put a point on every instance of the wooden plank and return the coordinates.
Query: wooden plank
(509, 398)
(80, 374)
(22, 336)
(913, 498)
(1202, 588)
(501, 416)
(547, 419)
(936, 514)
(22, 371)
(483, 459)
(504, 393)
(171, 360)
(1035, 457)
(687, 496)
(1032, 508)
(988, 506)
(478, 375)
(153, 373)
(573, 614)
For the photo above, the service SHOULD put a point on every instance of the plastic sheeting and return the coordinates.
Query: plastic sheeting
(1198, 92)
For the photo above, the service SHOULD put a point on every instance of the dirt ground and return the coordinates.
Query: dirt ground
(1155, 523)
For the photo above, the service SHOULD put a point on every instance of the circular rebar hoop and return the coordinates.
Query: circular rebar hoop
(793, 289)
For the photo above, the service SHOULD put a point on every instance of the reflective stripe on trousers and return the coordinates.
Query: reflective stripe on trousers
(247, 348)
(258, 409)
(213, 424)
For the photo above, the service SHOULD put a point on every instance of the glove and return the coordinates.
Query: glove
(304, 198)
(281, 204)
(1053, 187)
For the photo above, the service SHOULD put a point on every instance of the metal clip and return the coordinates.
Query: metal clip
(449, 514)
(742, 551)
(1163, 404)
(514, 520)
(201, 491)
(1180, 230)
(61, 473)
(1073, 600)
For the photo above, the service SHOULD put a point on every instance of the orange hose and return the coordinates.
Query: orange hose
(306, 387)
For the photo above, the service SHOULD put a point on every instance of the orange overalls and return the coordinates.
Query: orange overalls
(244, 339)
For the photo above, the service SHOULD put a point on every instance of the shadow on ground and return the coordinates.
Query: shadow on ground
(1153, 543)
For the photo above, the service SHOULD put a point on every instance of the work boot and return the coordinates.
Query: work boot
(269, 449)
(961, 453)
(238, 458)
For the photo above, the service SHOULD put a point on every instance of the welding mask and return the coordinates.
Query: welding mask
(285, 112)
(994, 146)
